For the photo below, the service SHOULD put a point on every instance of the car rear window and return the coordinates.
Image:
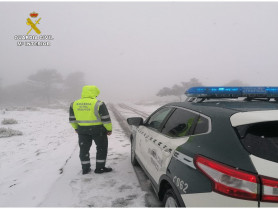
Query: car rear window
(260, 139)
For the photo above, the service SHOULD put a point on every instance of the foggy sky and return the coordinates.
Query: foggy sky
(130, 50)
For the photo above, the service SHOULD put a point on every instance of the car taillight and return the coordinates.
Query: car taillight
(270, 189)
(229, 181)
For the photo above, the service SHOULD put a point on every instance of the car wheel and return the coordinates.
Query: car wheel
(170, 200)
(133, 156)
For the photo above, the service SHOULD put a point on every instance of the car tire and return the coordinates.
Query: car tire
(134, 161)
(170, 199)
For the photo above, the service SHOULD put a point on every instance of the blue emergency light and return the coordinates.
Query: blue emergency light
(232, 92)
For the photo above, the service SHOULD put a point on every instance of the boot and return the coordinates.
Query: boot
(103, 170)
(86, 171)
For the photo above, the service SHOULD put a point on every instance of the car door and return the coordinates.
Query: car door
(173, 133)
(147, 133)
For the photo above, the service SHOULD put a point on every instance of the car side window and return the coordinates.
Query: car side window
(157, 118)
(202, 125)
(180, 123)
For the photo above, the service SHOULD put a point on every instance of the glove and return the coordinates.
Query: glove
(109, 133)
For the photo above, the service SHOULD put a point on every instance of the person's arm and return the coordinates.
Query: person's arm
(72, 118)
(105, 118)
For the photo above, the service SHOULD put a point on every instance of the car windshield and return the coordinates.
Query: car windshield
(260, 139)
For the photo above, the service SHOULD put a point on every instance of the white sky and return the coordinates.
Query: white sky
(130, 50)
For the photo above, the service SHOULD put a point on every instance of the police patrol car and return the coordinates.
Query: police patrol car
(219, 148)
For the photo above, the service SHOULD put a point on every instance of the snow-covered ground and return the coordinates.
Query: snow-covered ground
(148, 109)
(41, 167)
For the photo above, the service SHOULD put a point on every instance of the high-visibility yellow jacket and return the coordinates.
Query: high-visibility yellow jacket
(89, 111)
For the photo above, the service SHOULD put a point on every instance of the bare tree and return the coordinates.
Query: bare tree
(1, 90)
(164, 92)
(73, 84)
(192, 83)
(45, 83)
(17, 94)
(179, 90)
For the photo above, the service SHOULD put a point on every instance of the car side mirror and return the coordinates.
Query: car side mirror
(135, 121)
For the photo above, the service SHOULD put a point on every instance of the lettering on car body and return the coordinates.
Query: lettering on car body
(155, 159)
(181, 185)
(155, 141)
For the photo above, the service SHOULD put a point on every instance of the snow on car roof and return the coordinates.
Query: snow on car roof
(243, 118)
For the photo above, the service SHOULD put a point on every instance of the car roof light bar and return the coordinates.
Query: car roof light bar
(232, 92)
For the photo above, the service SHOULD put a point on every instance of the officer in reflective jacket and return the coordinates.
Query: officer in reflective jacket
(90, 119)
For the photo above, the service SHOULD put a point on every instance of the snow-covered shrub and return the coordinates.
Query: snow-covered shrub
(31, 108)
(7, 132)
(7, 121)
(11, 108)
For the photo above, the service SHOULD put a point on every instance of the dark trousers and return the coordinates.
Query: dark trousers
(85, 143)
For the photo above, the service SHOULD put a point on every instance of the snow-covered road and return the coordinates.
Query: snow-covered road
(31, 165)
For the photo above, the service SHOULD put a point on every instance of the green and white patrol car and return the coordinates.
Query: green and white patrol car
(217, 149)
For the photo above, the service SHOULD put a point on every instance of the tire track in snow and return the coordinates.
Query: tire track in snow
(150, 197)
(61, 170)
(143, 114)
(120, 188)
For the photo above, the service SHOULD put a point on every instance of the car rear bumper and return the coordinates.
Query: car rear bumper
(269, 204)
(213, 199)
